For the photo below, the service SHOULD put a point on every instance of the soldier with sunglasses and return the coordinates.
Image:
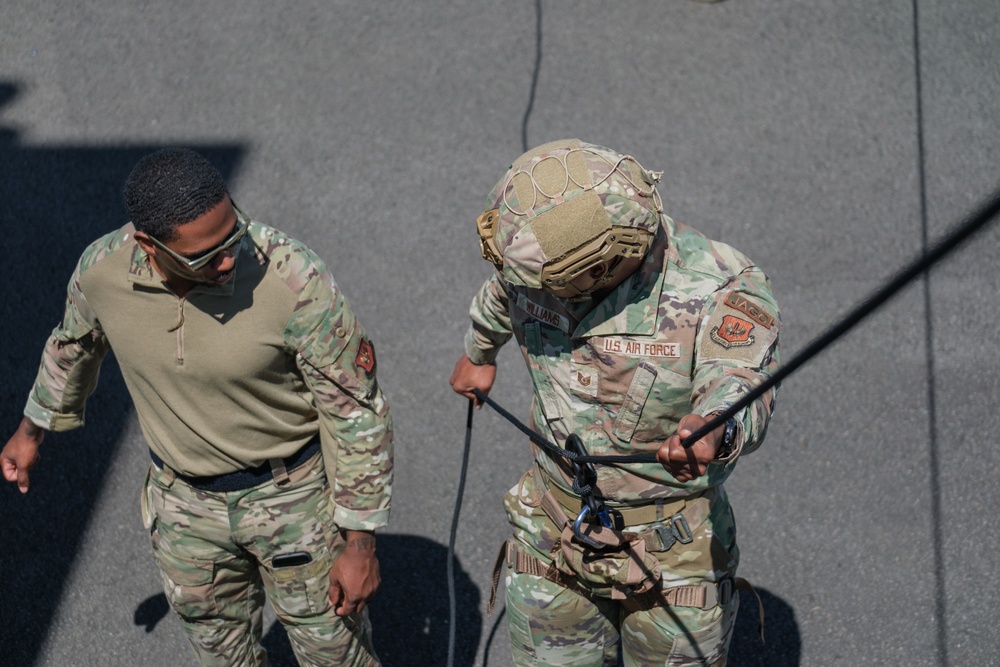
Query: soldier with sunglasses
(269, 437)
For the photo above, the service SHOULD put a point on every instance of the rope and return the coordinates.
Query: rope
(452, 602)
(980, 216)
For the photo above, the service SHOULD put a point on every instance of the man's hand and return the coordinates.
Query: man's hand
(692, 462)
(20, 454)
(468, 376)
(354, 577)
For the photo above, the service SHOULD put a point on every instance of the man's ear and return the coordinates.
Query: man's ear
(143, 240)
(598, 271)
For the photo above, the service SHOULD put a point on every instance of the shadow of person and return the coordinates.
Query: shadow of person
(56, 200)
(411, 611)
(781, 632)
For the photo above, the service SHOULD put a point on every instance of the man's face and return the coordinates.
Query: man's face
(594, 281)
(203, 250)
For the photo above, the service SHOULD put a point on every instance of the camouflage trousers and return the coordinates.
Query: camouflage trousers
(575, 622)
(215, 553)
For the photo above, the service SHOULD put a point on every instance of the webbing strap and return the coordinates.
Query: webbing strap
(704, 596)
(279, 471)
(632, 516)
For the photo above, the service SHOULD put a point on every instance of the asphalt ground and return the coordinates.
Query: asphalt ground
(831, 140)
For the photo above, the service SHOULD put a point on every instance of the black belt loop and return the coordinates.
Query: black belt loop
(245, 479)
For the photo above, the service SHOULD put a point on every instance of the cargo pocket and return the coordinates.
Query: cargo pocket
(706, 645)
(302, 590)
(188, 584)
(635, 401)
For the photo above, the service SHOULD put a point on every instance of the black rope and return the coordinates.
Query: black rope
(940, 597)
(534, 76)
(452, 602)
(969, 226)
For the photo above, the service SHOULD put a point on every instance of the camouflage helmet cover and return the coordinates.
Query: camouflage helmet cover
(564, 207)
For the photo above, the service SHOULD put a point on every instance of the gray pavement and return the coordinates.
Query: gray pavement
(798, 131)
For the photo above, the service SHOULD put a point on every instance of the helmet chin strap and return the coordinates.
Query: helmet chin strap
(577, 295)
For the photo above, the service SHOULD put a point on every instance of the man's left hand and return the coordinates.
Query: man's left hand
(354, 577)
(689, 463)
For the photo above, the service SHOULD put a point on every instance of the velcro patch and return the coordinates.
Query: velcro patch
(733, 332)
(757, 314)
(738, 337)
(641, 348)
(366, 356)
(543, 314)
(584, 380)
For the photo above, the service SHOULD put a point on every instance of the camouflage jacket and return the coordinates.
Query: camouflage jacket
(692, 330)
(230, 375)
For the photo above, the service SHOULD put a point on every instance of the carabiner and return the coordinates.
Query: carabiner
(578, 530)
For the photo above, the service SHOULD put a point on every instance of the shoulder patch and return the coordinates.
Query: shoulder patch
(740, 337)
(366, 356)
(733, 332)
(744, 305)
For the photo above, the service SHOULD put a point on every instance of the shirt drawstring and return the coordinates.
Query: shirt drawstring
(179, 328)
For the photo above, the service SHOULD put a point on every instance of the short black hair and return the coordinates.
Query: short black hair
(169, 188)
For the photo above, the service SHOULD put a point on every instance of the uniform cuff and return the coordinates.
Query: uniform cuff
(350, 519)
(476, 354)
(52, 421)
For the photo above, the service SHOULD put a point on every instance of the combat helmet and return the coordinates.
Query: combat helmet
(565, 207)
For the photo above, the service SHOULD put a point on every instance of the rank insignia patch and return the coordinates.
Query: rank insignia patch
(583, 379)
(366, 356)
(733, 332)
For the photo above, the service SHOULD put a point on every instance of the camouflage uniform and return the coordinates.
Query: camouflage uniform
(228, 378)
(693, 329)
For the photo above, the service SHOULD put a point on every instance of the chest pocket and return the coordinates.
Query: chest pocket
(540, 374)
(635, 400)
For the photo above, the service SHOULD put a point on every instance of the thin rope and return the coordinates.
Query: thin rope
(940, 599)
(534, 75)
(452, 600)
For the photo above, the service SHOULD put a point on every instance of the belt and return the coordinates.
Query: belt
(632, 515)
(249, 477)
(703, 596)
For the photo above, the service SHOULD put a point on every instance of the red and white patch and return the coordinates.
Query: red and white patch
(366, 356)
(733, 332)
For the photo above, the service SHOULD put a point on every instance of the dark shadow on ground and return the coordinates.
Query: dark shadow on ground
(410, 614)
(783, 647)
(54, 200)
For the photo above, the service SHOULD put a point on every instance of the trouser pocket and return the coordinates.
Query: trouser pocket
(188, 583)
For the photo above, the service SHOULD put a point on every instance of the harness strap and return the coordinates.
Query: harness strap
(668, 521)
(631, 515)
(705, 596)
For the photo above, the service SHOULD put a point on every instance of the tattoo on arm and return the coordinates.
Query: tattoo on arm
(364, 544)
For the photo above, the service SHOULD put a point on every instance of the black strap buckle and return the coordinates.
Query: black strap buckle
(675, 529)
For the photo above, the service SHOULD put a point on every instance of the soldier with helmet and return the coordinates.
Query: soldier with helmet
(637, 331)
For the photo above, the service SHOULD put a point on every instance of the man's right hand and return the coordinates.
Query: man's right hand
(20, 454)
(468, 376)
